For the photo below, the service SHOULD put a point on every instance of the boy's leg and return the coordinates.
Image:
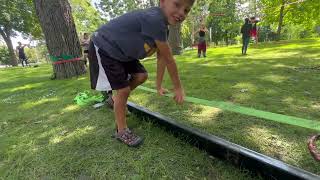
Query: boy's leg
(137, 79)
(120, 105)
(123, 133)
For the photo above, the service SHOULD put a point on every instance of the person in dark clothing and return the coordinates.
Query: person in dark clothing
(22, 56)
(202, 44)
(245, 30)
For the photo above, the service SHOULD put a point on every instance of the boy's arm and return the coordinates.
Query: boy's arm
(161, 67)
(166, 56)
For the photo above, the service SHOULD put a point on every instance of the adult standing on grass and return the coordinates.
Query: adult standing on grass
(202, 44)
(21, 54)
(245, 30)
(115, 51)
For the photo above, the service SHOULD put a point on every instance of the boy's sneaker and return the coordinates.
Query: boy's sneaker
(129, 138)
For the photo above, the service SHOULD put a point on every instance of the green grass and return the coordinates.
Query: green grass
(45, 135)
(278, 78)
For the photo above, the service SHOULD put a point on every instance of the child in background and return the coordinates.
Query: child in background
(85, 46)
(117, 47)
(202, 44)
(254, 30)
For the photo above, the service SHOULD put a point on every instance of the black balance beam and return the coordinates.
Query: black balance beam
(257, 163)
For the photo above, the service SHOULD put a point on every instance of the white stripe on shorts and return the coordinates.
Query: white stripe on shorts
(103, 83)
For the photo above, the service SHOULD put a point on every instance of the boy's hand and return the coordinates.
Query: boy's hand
(162, 91)
(179, 95)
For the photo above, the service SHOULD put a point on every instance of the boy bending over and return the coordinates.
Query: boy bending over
(115, 51)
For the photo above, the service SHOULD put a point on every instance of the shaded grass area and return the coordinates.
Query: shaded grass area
(44, 135)
(271, 78)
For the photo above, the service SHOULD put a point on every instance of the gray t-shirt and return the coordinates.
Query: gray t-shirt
(132, 36)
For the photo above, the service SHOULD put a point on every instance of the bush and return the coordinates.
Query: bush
(4, 55)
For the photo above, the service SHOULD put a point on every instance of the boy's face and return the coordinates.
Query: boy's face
(175, 10)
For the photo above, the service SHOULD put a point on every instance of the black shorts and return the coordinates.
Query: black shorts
(107, 73)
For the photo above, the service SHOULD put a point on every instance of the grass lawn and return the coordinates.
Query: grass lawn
(276, 77)
(45, 135)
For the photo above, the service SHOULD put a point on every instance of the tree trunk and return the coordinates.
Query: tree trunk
(227, 38)
(61, 37)
(280, 20)
(174, 39)
(5, 33)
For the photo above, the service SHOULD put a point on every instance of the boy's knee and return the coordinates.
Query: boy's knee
(124, 91)
(141, 77)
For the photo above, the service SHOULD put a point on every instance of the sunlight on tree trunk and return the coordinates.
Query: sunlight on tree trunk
(281, 15)
(174, 39)
(61, 36)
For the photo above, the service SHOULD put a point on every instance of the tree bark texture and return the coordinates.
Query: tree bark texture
(61, 36)
(175, 39)
(5, 33)
(281, 15)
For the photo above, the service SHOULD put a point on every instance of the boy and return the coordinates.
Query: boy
(116, 48)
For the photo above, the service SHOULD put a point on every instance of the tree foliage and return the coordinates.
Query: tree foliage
(17, 15)
(305, 12)
(86, 17)
(224, 27)
(114, 8)
(4, 55)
